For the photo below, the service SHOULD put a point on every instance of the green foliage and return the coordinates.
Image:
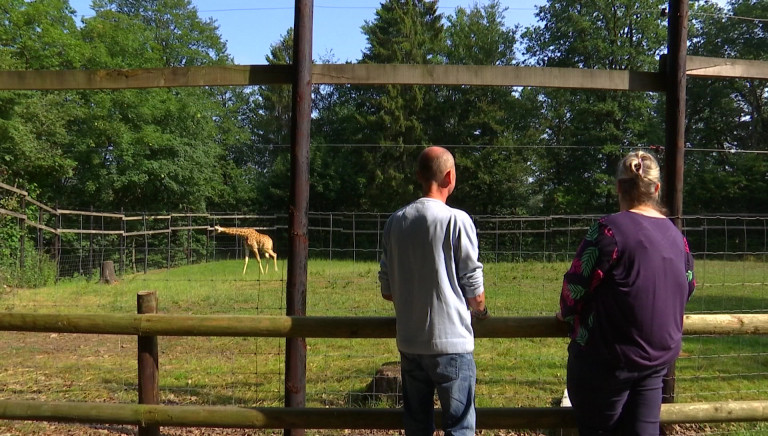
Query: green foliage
(586, 133)
(727, 115)
(28, 269)
(523, 151)
(38, 269)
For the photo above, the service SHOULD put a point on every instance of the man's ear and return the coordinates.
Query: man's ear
(447, 179)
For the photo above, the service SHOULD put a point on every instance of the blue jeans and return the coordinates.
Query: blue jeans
(611, 400)
(453, 376)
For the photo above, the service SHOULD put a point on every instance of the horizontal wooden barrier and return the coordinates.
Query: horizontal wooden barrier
(328, 327)
(344, 418)
(377, 74)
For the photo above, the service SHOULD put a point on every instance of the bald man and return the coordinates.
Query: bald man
(430, 270)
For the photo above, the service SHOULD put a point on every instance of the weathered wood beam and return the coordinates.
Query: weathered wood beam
(698, 66)
(230, 75)
(376, 74)
(477, 75)
(360, 74)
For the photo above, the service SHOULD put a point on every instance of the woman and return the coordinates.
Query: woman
(624, 297)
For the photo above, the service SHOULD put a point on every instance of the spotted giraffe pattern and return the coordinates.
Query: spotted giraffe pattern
(255, 241)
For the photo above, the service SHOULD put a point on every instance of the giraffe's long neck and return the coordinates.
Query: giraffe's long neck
(236, 231)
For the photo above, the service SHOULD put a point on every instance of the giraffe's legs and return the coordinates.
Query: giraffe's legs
(246, 259)
(271, 254)
(258, 258)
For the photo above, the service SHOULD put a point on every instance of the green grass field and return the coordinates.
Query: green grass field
(249, 371)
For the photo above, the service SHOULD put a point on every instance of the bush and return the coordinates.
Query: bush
(38, 271)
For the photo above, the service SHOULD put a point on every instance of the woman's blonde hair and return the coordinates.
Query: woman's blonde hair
(637, 177)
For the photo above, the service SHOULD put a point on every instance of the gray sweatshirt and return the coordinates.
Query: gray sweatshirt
(429, 265)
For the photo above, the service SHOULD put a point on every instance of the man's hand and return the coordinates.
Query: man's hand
(480, 314)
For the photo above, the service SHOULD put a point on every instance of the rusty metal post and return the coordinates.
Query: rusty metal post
(677, 46)
(296, 298)
(149, 391)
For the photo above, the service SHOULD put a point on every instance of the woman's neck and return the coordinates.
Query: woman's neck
(648, 210)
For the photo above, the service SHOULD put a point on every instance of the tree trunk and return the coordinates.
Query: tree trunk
(108, 272)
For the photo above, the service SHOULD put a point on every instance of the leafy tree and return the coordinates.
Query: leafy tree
(727, 116)
(33, 136)
(182, 37)
(587, 132)
(495, 174)
(39, 35)
(153, 149)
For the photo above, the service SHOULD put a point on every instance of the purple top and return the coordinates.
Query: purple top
(626, 290)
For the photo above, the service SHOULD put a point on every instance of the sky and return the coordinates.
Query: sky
(249, 27)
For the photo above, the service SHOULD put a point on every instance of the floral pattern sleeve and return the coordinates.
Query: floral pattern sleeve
(689, 269)
(595, 255)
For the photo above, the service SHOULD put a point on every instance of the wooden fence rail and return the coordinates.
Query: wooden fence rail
(345, 418)
(149, 417)
(328, 327)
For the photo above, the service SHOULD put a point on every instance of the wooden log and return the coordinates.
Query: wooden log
(725, 324)
(345, 418)
(386, 385)
(108, 272)
(326, 327)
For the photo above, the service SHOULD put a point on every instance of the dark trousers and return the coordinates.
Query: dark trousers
(610, 400)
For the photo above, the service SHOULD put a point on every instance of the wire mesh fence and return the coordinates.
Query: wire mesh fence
(198, 271)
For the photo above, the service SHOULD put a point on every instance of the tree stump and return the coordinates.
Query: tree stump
(387, 385)
(108, 272)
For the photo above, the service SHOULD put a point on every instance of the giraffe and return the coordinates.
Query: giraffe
(257, 242)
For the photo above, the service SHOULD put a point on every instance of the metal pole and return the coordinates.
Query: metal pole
(296, 298)
(677, 46)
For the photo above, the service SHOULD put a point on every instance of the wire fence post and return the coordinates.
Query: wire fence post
(168, 255)
(123, 242)
(90, 245)
(146, 240)
(22, 233)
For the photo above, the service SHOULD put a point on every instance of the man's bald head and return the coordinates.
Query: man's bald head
(433, 163)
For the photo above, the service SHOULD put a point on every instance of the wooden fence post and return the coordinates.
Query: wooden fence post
(22, 235)
(149, 391)
(123, 241)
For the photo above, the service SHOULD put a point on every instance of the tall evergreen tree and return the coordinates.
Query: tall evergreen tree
(402, 32)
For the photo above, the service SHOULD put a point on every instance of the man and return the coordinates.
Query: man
(431, 271)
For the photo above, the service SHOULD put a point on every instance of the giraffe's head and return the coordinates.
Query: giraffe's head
(217, 228)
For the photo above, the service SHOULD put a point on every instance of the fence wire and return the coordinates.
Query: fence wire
(198, 271)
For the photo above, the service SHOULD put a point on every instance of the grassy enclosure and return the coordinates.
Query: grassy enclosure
(249, 371)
